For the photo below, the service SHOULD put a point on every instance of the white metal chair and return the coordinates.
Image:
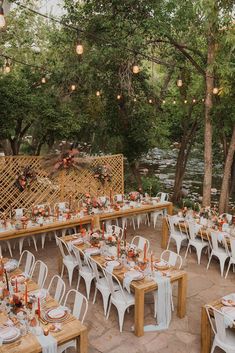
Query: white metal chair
(140, 241)
(56, 288)
(69, 260)
(232, 258)
(176, 234)
(101, 285)
(79, 310)
(85, 270)
(221, 252)
(40, 270)
(224, 338)
(18, 213)
(120, 298)
(28, 259)
(161, 196)
(115, 230)
(199, 244)
(45, 206)
(226, 215)
(172, 258)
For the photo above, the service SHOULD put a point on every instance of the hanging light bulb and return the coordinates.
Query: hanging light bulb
(44, 80)
(2, 18)
(174, 102)
(118, 96)
(73, 87)
(98, 93)
(134, 99)
(215, 90)
(135, 69)
(79, 48)
(150, 101)
(163, 102)
(179, 82)
(185, 101)
(194, 100)
(7, 67)
(203, 100)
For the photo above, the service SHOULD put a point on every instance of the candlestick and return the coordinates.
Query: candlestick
(145, 251)
(125, 235)
(39, 313)
(26, 293)
(16, 286)
(103, 230)
(7, 279)
(92, 224)
(151, 261)
(118, 248)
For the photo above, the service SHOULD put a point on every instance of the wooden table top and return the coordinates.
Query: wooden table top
(71, 329)
(146, 284)
(14, 233)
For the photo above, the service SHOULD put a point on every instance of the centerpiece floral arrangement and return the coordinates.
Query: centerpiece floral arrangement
(87, 203)
(103, 173)
(25, 178)
(111, 240)
(95, 237)
(40, 211)
(134, 196)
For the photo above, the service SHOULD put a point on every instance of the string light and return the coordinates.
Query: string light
(135, 69)
(79, 48)
(215, 90)
(98, 93)
(73, 87)
(118, 96)
(134, 99)
(174, 102)
(194, 100)
(163, 102)
(150, 101)
(43, 80)
(179, 82)
(203, 100)
(2, 18)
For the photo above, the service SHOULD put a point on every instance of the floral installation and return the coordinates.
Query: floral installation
(103, 173)
(95, 237)
(134, 196)
(25, 178)
(40, 211)
(111, 240)
(87, 203)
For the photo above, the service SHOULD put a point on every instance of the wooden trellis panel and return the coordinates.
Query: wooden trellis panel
(68, 184)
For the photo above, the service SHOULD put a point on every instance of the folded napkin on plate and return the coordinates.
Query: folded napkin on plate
(163, 301)
(48, 343)
(130, 276)
(75, 242)
(111, 264)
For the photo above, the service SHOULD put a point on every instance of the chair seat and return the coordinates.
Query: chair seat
(230, 341)
(177, 234)
(118, 298)
(102, 284)
(85, 270)
(221, 253)
(69, 259)
(197, 242)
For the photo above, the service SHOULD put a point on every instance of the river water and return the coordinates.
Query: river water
(162, 163)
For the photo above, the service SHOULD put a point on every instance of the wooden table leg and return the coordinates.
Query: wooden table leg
(165, 235)
(205, 332)
(139, 312)
(170, 209)
(96, 219)
(83, 346)
(182, 291)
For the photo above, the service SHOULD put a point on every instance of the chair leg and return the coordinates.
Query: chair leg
(79, 278)
(108, 312)
(222, 262)
(94, 299)
(43, 238)
(9, 247)
(228, 269)
(121, 314)
(35, 243)
(209, 261)
(62, 271)
(199, 253)
(70, 273)
(88, 288)
(105, 303)
(187, 251)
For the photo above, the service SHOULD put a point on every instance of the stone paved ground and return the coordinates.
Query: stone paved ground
(183, 336)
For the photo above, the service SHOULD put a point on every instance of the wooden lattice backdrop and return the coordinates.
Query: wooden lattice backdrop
(67, 184)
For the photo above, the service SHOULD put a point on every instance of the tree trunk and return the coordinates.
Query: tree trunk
(207, 182)
(182, 159)
(136, 174)
(232, 184)
(15, 146)
(224, 195)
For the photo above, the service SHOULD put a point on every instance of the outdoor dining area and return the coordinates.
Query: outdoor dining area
(109, 254)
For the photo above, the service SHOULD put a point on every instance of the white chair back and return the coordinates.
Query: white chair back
(58, 285)
(64, 249)
(94, 266)
(228, 216)
(163, 196)
(77, 255)
(140, 241)
(193, 229)
(216, 238)
(80, 304)
(232, 245)
(115, 230)
(40, 270)
(172, 258)
(171, 220)
(218, 325)
(29, 259)
(110, 277)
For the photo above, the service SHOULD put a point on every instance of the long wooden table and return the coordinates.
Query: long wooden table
(71, 329)
(99, 217)
(145, 286)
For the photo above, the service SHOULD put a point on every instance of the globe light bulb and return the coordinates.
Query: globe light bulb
(2, 18)
(163, 102)
(135, 69)
(150, 101)
(174, 102)
(215, 90)
(134, 99)
(73, 87)
(98, 93)
(118, 96)
(79, 49)
(44, 80)
(179, 82)
(185, 101)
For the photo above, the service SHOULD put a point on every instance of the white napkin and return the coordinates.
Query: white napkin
(229, 316)
(163, 302)
(128, 277)
(75, 241)
(48, 343)
(110, 265)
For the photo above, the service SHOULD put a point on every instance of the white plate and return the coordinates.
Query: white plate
(92, 251)
(9, 334)
(57, 313)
